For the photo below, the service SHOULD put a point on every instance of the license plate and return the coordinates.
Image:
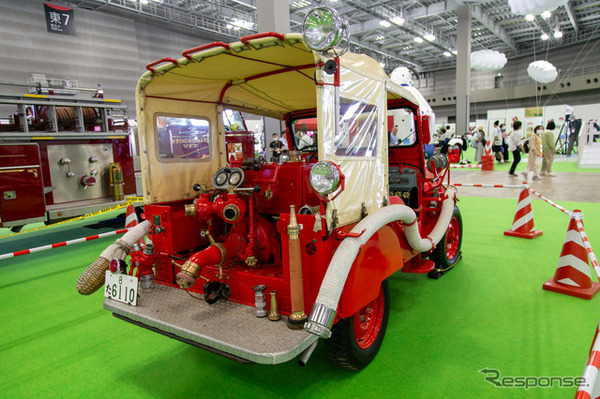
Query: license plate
(121, 287)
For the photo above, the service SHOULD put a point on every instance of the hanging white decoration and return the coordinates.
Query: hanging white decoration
(534, 7)
(487, 60)
(402, 76)
(542, 71)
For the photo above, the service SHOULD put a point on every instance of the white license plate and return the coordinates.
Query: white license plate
(121, 287)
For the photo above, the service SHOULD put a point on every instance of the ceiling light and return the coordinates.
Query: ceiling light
(530, 17)
(429, 37)
(447, 54)
(300, 4)
(240, 23)
(557, 34)
(418, 39)
(144, 1)
(380, 38)
(546, 14)
(385, 24)
(398, 20)
(544, 36)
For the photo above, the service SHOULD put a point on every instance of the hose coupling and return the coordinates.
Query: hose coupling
(320, 321)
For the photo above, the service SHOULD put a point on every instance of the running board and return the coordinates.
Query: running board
(226, 328)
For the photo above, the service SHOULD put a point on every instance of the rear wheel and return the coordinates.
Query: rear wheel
(356, 340)
(447, 253)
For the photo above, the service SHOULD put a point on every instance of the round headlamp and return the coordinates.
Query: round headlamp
(323, 28)
(324, 177)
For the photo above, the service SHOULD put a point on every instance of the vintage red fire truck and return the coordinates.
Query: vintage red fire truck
(64, 151)
(256, 260)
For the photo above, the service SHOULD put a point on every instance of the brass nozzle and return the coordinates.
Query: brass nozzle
(274, 314)
(188, 274)
(293, 229)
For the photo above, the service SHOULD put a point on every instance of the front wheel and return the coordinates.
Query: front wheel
(355, 341)
(447, 253)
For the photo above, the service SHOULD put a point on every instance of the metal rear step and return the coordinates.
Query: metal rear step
(227, 328)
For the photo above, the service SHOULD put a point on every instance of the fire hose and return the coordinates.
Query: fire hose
(323, 312)
(92, 278)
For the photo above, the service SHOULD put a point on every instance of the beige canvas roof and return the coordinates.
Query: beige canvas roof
(270, 76)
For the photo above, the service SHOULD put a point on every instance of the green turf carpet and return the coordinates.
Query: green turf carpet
(489, 312)
(559, 165)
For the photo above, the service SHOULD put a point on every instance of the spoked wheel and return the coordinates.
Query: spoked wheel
(355, 341)
(447, 253)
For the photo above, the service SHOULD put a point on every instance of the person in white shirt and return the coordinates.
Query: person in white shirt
(496, 139)
(515, 146)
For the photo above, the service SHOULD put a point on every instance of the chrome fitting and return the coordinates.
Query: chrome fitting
(320, 321)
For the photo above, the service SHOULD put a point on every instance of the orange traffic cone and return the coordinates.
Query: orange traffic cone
(487, 159)
(131, 220)
(572, 276)
(523, 222)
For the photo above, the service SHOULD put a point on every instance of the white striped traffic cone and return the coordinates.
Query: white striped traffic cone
(589, 387)
(572, 276)
(131, 220)
(523, 226)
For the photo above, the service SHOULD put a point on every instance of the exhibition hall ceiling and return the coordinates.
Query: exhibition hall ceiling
(417, 33)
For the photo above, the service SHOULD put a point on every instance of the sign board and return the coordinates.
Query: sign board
(59, 19)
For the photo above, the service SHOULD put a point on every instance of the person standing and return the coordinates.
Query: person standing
(505, 137)
(496, 138)
(276, 147)
(479, 138)
(515, 146)
(549, 149)
(535, 153)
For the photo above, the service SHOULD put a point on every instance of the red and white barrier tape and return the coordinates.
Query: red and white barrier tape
(454, 166)
(586, 243)
(62, 244)
(487, 185)
(540, 196)
(590, 372)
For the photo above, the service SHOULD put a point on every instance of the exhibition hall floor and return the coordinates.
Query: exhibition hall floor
(489, 313)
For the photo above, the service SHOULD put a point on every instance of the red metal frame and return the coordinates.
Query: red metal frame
(246, 39)
(186, 53)
(161, 61)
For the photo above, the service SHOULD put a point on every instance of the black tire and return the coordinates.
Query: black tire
(343, 347)
(447, 253)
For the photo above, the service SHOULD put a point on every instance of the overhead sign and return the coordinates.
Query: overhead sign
(60, 19)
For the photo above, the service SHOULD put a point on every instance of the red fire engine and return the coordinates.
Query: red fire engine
(64, 152)
(237, 244)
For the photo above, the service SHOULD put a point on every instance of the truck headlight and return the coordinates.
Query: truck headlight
(324, 177)
(323, 28)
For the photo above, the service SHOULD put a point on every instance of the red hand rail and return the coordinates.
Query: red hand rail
(246, 39)
(187, 53)
(165, 59)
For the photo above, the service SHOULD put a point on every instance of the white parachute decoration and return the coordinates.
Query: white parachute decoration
(487, 60)
(403, 76)
(542, 71)
(534, 7)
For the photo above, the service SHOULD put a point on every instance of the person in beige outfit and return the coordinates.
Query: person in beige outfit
(549, 149)
(535, 153)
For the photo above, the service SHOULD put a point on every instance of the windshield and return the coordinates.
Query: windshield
(305, 134)
(401, 128)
